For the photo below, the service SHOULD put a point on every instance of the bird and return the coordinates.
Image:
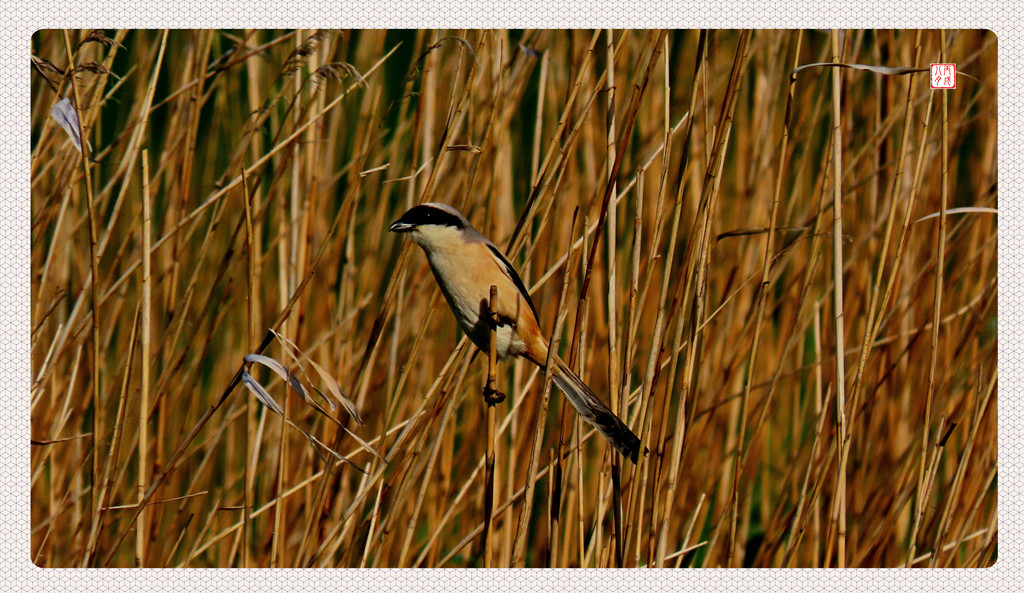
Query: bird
(466, 264)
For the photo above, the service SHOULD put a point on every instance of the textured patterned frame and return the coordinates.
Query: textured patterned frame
(15, 370)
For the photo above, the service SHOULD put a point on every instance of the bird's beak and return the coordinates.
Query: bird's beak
(400, 227)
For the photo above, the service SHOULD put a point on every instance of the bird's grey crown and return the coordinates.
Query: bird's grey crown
(447, 208)
(434, 213)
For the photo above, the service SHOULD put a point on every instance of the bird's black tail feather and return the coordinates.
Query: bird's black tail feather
(593, 410)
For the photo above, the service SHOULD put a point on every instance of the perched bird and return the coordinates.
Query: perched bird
(466, 264)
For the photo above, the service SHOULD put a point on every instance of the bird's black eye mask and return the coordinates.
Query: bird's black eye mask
(424, 215)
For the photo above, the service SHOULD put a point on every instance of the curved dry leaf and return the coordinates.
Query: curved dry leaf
(330, 381)
(268, 401)
(886, 70)
(464, 147)
(962, 210)
(292, 381)
(279, 368)
(335, 389)
(261, 393)
(297, 355)
(306, 396)
(760, 230)
(64, 114)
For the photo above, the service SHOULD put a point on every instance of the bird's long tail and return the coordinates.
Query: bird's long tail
(593, 410)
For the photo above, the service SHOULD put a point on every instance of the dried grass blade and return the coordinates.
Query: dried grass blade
(962, 210)
(265, 398)
(64, 114)
(885, 70)
(280, 369)
(261, 393)
(336, 396)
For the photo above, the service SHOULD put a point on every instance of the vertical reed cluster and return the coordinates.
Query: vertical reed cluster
(772, 253)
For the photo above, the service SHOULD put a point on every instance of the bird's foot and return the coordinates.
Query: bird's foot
(493, 396)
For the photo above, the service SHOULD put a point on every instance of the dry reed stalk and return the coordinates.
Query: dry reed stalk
(430, 463)
(141, 529)
(874, 313)
(519, 545)
(94, 107)
(806, 284)
(284, 314)
(566, 426)
(613, 356)
(962, 535)
(797, 525)
(252, 256)
(651, 368)
(924, 491)
(400, 446)
(762, 295)
(456, 112)
(473, 534)
(125, 169)
(697, 262)
(958, 479)
(216, 197)
(547, 171)
(103, 493)
(297, 488)
(632, 111)
(512, 498)
(638, 487)
(491, 398)
(918, 172)
(940, 248)
(838, 515)
(97, 428)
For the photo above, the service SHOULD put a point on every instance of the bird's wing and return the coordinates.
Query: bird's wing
(509, 271)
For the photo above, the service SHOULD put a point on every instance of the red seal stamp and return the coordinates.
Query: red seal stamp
(943, 76)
